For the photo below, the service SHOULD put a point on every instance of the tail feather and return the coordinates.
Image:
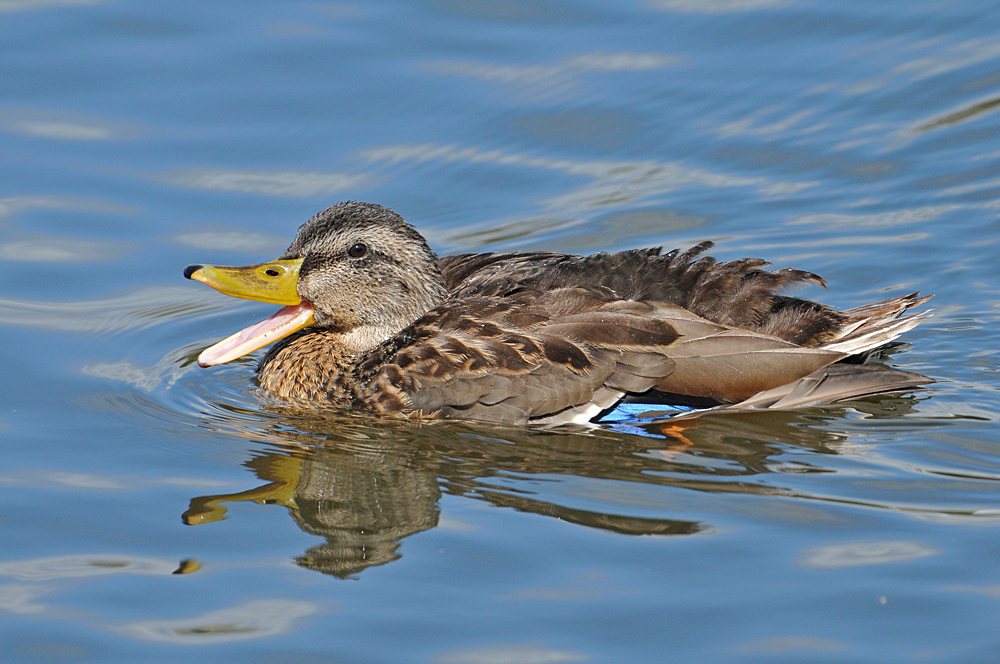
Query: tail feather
(836, 382)
(886, 308)
(875, 334)
(871, 326)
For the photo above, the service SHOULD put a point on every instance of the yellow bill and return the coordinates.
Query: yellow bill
(274, 282)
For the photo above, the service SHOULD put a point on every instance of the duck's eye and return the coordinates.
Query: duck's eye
(357, 250)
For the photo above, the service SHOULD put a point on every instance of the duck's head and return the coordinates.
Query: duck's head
(356, 269)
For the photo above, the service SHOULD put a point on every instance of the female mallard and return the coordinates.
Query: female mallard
(374, 320)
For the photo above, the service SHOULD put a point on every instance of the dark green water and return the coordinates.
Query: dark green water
(152, 511)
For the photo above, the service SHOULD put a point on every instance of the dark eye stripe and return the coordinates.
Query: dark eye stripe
(384, 257)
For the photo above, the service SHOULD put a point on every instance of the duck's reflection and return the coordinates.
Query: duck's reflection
(364, 484)
(363, 498)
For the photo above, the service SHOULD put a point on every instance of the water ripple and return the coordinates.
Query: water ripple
(130, 311)
(249, 620)
(292, 184)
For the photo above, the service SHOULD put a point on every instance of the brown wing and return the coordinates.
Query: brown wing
(837, 382)
(737, 293)
(568, 353)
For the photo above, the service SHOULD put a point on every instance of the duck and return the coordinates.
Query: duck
(373, 320)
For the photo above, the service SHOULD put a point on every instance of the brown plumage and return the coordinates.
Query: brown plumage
(550, 338)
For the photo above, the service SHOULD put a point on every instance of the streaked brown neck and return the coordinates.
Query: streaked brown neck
(315, 365)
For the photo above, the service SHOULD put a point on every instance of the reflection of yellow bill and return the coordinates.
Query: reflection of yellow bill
(284, 473)
(188, 566)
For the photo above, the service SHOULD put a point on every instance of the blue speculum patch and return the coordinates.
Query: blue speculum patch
(642, 413)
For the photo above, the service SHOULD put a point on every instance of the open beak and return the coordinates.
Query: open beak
(274, 282)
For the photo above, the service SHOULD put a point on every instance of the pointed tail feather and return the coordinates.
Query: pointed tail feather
(873, 325)
(885, 309)
(874, 334)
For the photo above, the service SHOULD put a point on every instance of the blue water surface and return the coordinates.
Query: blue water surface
(153, 511)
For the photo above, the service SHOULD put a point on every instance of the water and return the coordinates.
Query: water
(153, 511)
